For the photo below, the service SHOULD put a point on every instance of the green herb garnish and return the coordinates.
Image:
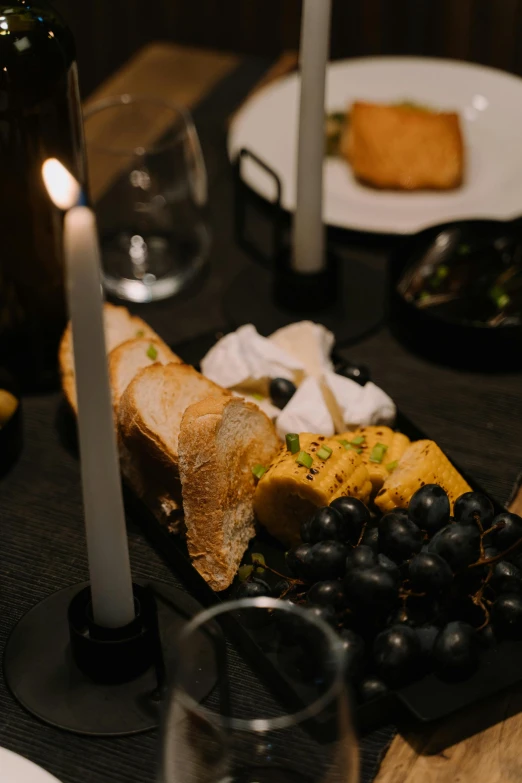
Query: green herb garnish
(140, 333)
(259, 471)
(292, 442)
(463, 249)
(244, 572)
(392, 465)
(499, 296)
(325, 452)
(304, 459)
(348, 446)
(378, 452)
(258, 397)
(358, 440)
(152, 352)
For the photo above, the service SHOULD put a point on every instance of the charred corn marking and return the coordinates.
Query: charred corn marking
(422, 463)
(288, 493)
(396, 444)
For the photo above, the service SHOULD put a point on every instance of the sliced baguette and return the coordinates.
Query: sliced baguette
(221, 439)
(153, 404)
(120, 326)
(127, 359)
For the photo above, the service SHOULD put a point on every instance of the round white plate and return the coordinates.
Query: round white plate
(489, 103)
(16, 769)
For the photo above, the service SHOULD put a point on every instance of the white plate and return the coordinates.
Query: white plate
(490, 105)
(16, 769)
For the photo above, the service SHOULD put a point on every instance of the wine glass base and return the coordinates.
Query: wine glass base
(357, 310)
(43, 677)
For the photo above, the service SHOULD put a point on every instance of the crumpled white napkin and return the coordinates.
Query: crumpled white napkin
(245, 360)
(311, 344)
(360, 406)
(307, 411)
(324, 403)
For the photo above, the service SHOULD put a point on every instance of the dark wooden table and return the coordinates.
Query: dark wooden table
(477, 418)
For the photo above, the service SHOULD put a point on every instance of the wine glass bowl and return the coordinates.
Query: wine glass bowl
(300, 731)
(149, 185)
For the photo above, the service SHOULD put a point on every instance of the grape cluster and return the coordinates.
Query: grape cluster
(411, 592)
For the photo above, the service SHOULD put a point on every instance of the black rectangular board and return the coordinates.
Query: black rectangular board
(425, 700)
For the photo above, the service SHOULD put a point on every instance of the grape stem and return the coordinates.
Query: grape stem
(496, 558)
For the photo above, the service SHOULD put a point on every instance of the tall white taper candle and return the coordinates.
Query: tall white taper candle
(308, 254)
(107, 546)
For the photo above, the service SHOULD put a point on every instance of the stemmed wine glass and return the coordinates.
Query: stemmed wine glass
(299, 732)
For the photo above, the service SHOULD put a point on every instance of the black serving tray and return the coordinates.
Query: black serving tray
(427, 699)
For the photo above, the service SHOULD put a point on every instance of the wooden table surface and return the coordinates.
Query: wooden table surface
(433, 755)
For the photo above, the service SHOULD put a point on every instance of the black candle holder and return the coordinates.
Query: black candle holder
(80, 677)
(347, 296)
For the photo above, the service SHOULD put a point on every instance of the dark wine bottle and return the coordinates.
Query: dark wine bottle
(40, 118)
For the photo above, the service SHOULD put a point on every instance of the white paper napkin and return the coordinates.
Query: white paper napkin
(309, 343)
(360, 406)
(324, 403)
(307, 411)
(245, 360)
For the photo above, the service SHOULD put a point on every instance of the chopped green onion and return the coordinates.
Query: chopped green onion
(258, 396)
(304, 459)
(244, 572)
(358, 440)
(378, 452)
(140, 333)
(259, 471)
(152, 352)
(463, 250)
(348, 446)
(325, 452)
(292, 442)
(392, 465)
(499, 296)
(258, 559)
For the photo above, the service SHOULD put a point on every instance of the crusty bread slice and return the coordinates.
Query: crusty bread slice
(221, 439)
(127, 359)
(152, 405)
(120, 326)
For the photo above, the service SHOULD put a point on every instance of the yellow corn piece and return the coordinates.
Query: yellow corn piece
(396, 444)
(422, 463)
(288, 493)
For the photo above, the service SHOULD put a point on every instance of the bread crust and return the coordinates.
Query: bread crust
(134, 430)
(133, 326)
(218, 484)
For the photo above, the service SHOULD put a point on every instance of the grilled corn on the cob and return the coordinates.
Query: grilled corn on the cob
(367, 440)
(422, 463)
(289, 492)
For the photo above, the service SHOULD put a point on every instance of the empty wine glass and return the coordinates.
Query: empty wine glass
(148, 182)
(299, 732)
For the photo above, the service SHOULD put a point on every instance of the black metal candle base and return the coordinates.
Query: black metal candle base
(86, 679)
(348, 297)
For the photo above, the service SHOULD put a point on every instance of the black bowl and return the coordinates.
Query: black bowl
(445, 299)
(11, 436)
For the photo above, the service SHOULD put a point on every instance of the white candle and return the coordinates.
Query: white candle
(107, 546)
(308, 255)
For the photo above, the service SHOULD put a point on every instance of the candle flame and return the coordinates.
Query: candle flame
(63, 189)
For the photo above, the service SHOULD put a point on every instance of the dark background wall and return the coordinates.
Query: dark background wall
(109, 31)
